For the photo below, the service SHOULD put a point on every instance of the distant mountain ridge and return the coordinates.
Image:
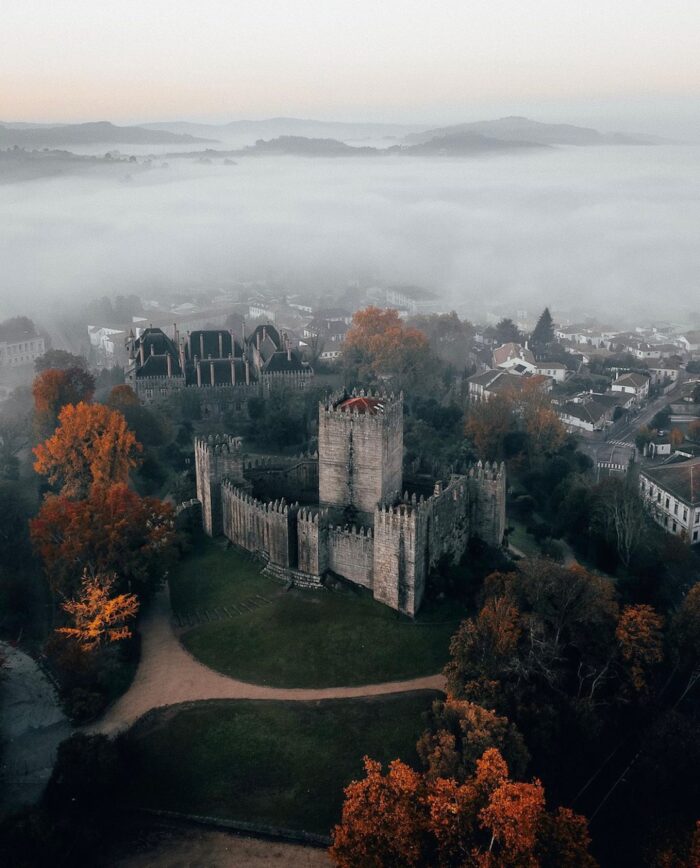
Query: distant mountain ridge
(453, 145)
(272, 128)
(95, 133)
(524, 130)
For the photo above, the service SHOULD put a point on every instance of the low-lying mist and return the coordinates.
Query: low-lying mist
(607, 231)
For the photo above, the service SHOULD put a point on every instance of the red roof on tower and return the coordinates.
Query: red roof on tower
(362, 404)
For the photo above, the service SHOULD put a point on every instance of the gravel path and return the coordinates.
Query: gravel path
(32, 726)
(204, 848)
(168, 675)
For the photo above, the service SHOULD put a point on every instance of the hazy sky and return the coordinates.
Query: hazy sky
(349, 59)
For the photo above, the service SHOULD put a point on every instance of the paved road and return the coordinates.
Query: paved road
(32, 725)
(616, 445)
(168, 675)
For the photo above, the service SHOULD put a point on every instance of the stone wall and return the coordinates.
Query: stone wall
(312, 541)
(216, 458)
(360, 455)
(351, 554)
(488, 509)
(399, 578)
(295, 478)
(264, 528)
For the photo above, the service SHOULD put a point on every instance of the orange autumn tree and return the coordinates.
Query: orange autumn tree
(640, 638)
(92, 446)
(683, 854)
(381, 344)
(112, 531)
(53, 389)
(98, 617)
(384, 819)
(488, 423)
(458, 734)
(489, 821)
(539, 420)
(123, 396)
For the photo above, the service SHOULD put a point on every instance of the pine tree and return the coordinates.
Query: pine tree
(543, 335)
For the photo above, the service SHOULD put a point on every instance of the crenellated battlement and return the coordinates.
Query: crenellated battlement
(389, 542)
(218, 444)
(485, 470)
(280, 506)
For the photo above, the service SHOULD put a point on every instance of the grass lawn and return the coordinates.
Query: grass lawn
(281, 764)
(520, 539)
(212, 577)
(305, 638)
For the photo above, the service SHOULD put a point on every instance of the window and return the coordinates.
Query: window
(658, 497)
(675, 509)
(695, 536)
(675, 527)
(685, 514)
(668, 503)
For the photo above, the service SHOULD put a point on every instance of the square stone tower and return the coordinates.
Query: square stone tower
(360, 453)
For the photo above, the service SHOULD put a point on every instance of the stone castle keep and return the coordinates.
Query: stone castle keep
(342, 511)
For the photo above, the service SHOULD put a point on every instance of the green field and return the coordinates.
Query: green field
(281, 764)
(304, 638)
(522, 540)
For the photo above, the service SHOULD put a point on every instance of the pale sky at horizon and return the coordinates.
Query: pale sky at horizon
(70, 60)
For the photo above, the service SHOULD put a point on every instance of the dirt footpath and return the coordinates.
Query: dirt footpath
(169, 675)
(204, 848)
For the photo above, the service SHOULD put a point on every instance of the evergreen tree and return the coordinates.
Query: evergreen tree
(506, 332)
(543, 335)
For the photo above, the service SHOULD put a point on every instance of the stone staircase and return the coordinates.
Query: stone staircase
(194, 617)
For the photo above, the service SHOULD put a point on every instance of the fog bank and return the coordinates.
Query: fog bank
(600, 229)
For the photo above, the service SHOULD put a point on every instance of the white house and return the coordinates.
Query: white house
(690, 341)
(673, 495)
(664, 371)
(514, 358)
(588, 411)
(632, 384)
(556, 370)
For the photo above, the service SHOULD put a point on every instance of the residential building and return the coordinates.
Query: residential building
(19, 345)
(588, 411)
(556, 370)
(632, 384)
(690, 341)
(514, 358)
(484, 386)
(664, 371)
(672, 492)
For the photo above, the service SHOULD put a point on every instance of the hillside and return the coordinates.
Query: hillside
(99, 133)
(523, 130)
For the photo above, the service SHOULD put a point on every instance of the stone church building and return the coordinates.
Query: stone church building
(342, 511)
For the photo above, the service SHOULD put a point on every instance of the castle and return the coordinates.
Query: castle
(341, 511)
(215, 360)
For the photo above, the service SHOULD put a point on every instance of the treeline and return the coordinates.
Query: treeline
(563, 703)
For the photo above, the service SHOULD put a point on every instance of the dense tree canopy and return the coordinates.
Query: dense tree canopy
(91, 446)
(405, 818)
(53, 389)
(379, 344)
(59, 360)
(112, 530)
